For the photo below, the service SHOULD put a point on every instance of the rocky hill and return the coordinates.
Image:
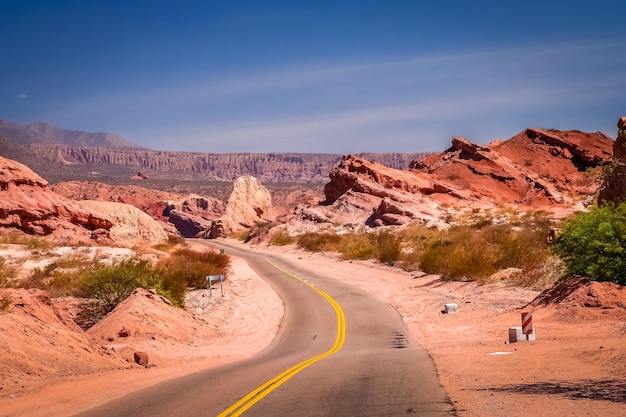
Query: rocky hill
(40, 132)
(556, 171)
(28, 204)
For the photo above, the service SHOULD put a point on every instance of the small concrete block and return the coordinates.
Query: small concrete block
(516, 335)
(531, 336)
(450, 308)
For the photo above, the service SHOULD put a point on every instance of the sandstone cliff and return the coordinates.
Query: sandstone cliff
(64, 155)
(271, 167)
(193, 214)
(536, 169)
(150, 201)
(130, 225)
(249, 203)
(614, 187)
(27, 204)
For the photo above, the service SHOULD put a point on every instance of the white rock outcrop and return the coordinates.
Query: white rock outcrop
(248, 204)
(129, 223)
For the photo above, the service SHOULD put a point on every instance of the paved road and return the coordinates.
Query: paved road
(346, 353)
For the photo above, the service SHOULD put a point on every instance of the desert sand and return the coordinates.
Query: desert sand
(575, 367)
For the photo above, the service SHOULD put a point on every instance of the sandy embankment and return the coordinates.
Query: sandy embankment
(576, 366)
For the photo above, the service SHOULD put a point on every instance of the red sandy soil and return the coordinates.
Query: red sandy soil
(576, 367)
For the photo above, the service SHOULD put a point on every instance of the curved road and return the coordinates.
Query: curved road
(339, 352)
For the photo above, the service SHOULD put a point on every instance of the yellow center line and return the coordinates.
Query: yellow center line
(265, 389)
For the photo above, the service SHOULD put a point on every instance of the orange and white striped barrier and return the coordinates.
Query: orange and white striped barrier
(525, 332)
(527, 323)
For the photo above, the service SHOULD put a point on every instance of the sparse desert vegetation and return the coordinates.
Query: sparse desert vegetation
(473, 248)
(103, 280)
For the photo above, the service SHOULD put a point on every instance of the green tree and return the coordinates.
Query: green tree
(593, 244)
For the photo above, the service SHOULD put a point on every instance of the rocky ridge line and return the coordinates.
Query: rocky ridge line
(536, 169)
(267, 167)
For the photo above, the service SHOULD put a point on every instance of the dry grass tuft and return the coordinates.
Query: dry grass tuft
(281, 238)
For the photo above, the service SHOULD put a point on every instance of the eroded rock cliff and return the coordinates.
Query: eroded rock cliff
(193, 214)
(249, 203)
(270, 167)
(27, 204)
(614, 187)
(538, 169)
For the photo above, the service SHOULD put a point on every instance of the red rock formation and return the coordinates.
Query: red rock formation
(539, 169)
(27, 204)
(150, 201)
(614, 187)
(193, 214)
(187, 215)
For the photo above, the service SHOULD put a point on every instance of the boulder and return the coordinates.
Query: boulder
(141, 358)
(129, 223)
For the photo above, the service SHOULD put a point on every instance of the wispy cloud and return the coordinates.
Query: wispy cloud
(359, 130)
(22, 95)
(368, 105)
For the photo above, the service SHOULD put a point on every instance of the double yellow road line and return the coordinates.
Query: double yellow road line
(262, 391)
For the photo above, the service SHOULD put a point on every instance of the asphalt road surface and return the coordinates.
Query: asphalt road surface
(339, 352)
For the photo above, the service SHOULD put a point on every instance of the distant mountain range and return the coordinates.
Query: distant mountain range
(60, 155)
(40, 132)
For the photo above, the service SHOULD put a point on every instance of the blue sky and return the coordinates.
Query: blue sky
(316, 76)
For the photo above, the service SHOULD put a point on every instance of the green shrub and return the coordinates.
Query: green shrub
(62, 277)
(593, 244)
(112, 284)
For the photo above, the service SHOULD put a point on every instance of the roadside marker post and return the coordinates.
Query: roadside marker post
(525, 332)
(213, 278)
(527, 326)
(450, 308)
(527, 323)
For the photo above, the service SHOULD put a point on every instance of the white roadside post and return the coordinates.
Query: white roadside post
(450, 308)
